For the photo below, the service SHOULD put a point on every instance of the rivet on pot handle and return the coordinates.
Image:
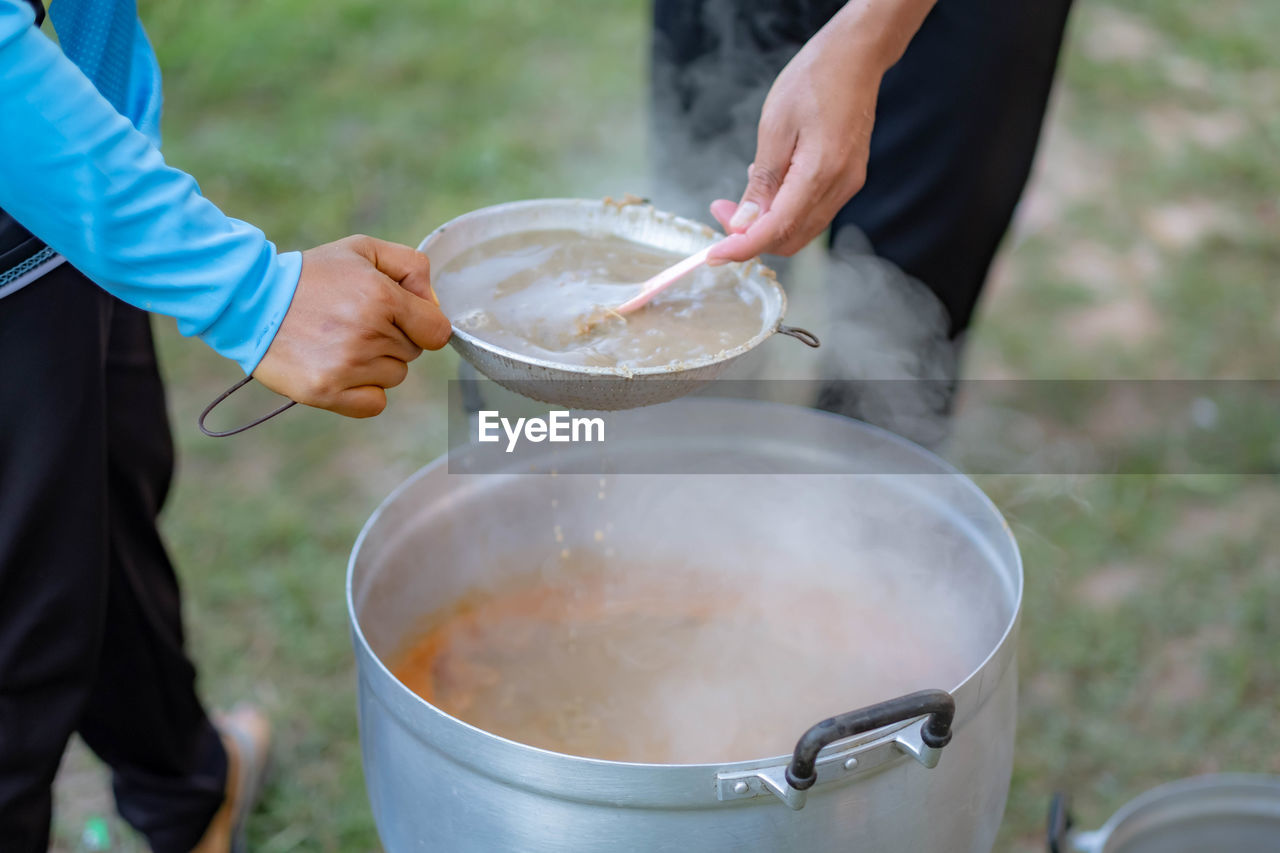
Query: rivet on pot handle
(792, 782)
(805, 336)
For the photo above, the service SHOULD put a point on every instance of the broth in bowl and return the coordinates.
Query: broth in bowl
(549, 295)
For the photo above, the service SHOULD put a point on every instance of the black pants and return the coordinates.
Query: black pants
(91, 636)
(957, 123)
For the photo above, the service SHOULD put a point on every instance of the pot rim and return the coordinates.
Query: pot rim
(750, 271)
(969, 693)
(1239, 789)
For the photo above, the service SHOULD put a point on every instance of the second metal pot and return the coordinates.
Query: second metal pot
(1228, 812)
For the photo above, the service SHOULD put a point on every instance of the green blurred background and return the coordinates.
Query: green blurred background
(1146, 247)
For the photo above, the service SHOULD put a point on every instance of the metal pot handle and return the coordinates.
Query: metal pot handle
(1060, 823)
(224, 395)
(935, 733)
(791, 782)
(804, 336)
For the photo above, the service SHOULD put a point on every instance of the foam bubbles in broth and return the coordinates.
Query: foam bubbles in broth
(546, 294)
(622, 658)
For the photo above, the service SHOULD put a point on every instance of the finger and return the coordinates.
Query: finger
(422, 321)
(722, 209)
(388, 339)
(409, 267)
(781, 225)
(363, 401)
(829, 196)
(771, 236)
(775, 143)
(399, 345)
(383, 371)
(815, 220)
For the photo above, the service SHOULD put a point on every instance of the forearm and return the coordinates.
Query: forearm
(875, 33)
(78, 175)
(814, 135)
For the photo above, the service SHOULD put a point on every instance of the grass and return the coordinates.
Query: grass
(1152, 617)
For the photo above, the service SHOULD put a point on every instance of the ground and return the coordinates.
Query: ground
(1146, 247)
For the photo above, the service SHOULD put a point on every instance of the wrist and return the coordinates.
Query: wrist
(872, 35)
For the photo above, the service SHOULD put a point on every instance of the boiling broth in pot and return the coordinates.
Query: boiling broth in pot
(604, 656)
(547, 293)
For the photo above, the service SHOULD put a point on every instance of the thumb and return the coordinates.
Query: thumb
(764, 176)
(407, 266)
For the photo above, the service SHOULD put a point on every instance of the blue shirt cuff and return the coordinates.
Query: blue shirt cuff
(245, 330)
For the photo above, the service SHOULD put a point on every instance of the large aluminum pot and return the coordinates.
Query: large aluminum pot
(797, 488)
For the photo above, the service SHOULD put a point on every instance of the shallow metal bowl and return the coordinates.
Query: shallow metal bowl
(580, 386)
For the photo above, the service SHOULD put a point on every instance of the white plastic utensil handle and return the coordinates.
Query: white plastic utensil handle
(663, 280)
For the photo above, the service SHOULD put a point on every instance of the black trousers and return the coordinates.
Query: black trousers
(91, 637)
(957, 123)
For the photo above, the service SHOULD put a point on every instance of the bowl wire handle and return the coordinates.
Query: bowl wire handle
(224, 395)
(804, 336)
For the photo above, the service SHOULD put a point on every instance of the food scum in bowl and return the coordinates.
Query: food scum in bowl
(548, 294)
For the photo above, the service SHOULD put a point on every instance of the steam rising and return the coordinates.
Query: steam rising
(886, 357)
(617, 635)
(713, 618)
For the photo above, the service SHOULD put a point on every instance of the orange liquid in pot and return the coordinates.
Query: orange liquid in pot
(622, 660)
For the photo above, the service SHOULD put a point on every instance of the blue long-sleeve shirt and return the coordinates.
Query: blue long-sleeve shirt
(82, 178)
